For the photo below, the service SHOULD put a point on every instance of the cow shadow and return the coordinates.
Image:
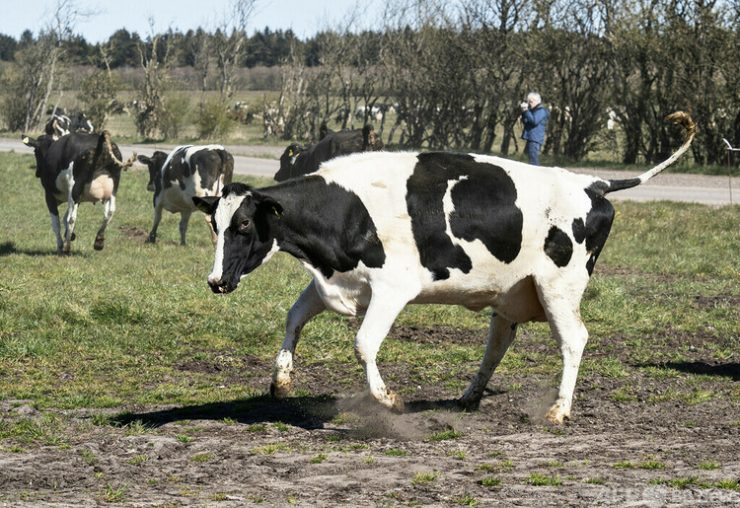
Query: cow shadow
(9, 249)
(307, 412)
(729, 370)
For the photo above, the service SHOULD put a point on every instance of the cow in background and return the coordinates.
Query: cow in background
(60, 124)
(78, 167)
(188, 171)
(297, 160)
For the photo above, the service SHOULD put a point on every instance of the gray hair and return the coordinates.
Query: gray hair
(535, 96)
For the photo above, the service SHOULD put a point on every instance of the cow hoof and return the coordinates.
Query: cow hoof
(279, 390)
(555, 415)
(393, 402)
(151, 239)
(468, 403)
(99, 244)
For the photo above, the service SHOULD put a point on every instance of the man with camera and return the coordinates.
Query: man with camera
(534, 118)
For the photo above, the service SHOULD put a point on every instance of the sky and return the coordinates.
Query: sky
(304, 17)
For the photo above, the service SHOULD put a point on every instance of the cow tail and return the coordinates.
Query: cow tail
(106, 146)
(685, 121)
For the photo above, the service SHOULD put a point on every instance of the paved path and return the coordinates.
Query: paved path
(262, 160)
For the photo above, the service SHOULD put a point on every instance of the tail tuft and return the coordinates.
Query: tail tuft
(679, 117)
(684, 120)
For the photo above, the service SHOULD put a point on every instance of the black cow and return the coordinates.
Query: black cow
(188, 171)
(297, 160)
(445, 228)
(75, 168)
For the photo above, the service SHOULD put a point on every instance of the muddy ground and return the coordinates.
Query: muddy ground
(649, 449)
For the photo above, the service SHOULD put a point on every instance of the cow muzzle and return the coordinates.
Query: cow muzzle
(220, 287)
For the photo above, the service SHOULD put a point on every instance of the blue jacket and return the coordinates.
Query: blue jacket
(535, 124)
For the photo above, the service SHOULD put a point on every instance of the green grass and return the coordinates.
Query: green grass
(425, 477)
(543, 480)
(688, 482)
(125, 326)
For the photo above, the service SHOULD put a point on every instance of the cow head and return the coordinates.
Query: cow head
(57, 126)
(40, 147)
(241, 218)
(154, 163)
(81, 123)
(287, 162)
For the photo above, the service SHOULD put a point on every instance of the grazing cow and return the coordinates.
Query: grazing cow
(381, 230)
(188, 171)
(78, 167)
(297, 160)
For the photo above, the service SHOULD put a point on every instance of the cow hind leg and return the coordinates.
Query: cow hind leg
(501, 334)
(381, 313)
(109, 208)
(562, 306)
(184, 220)
(307, 306)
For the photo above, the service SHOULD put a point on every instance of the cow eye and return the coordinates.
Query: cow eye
(244, 226)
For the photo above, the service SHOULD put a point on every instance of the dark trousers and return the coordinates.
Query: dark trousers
(532, 149)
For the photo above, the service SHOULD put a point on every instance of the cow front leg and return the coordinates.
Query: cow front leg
(562, 308)
(70, 222)
(109, 208)
(57, 229)
(501, 333)
(155, 223)
(184, 219)
(382, 312)
(51, 205)
(308, 305)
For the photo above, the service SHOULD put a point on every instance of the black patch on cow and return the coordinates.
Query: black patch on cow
(579, 230)
(598, 224)
(628, 183)
(326, 225)
(558, 246)
(484, 209)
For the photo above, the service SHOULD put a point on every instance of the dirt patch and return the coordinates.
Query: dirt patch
(133, 233)
(665, 433)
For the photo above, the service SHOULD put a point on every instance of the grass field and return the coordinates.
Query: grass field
(135, 328)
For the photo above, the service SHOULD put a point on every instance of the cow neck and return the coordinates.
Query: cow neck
(292, 229)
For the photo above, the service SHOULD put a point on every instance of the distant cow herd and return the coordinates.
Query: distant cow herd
(75, 165)
(376, 231)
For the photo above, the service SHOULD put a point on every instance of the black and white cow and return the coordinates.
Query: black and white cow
(188, 171)
(75, 168)
(381, 230)
(297, 160)
(60, 124)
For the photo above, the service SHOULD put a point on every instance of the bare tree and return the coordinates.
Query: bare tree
(39, 67)
(154, 59)
(228, 45)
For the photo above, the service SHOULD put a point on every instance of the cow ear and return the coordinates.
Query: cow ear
(29, 142)
(270, 205)
(143, 159)
(206, 204)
